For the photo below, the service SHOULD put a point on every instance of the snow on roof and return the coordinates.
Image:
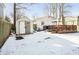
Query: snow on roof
(43, 17)
(24, 18)
(71, 16)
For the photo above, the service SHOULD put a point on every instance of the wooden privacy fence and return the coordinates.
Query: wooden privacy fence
(5, 28)
(61, 28)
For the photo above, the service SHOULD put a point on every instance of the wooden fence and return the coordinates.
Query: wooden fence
(61, 28)
(5, 28)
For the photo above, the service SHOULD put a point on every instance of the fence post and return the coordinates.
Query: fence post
(0, 51)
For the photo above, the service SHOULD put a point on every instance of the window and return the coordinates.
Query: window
(54, 21)
(42, 23)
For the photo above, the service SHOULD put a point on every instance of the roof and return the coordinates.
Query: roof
(24, 18)
(71, 16)
(43, 17)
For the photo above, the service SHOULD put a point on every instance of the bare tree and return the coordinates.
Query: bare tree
(19, 14)
(7, 18)
(51, 9)
(54, 9)
(58, 10)
(63, 11)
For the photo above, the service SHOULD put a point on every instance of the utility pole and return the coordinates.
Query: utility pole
(18, 37)
(15, 18)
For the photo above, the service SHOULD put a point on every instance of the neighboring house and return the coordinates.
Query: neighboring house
(44, 21)
(23, 26)
(2, 6)
(49, 20)
(72, 20)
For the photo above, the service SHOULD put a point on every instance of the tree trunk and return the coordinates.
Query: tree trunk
(62, 15)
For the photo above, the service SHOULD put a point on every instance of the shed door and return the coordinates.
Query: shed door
(22, 27)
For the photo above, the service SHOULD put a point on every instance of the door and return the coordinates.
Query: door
(35, 27)
(22, 27)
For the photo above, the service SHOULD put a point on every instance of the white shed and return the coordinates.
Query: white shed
(23, 26)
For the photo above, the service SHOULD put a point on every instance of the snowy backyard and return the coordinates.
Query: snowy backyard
(42, 43)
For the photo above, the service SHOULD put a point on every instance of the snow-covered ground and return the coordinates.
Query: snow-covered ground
(43, 43)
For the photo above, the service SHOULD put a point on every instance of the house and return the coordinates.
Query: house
(2, 6)
(72, 20)
(49, 20)
(23, 26)
(44, 21)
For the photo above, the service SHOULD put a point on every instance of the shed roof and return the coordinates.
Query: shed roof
(24, 18)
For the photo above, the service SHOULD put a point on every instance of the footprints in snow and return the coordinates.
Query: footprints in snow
(44, 39)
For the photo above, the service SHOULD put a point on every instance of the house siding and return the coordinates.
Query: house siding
(1, 10)
(46, 20)
(69, 20)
